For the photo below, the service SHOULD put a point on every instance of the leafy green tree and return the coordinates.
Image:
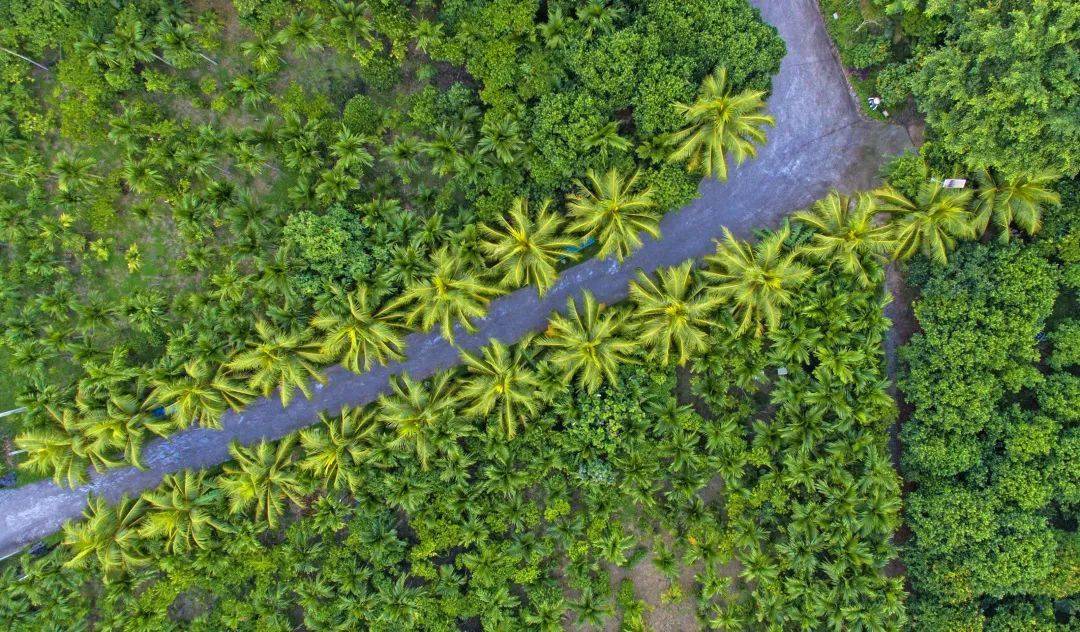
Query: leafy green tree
(108, 535)
(845, 233)
(759, 280)
(261, 477)
(525, 249)
(362, 335)
(672, 317)
(200, 395)
(588, 343)
(1013, 200)
(449, 293)
(929, 223)
(501, 379)
(335, 450)
(416, 410)
(719, 123)
(282, 360)
(609, 209)
(181, 512)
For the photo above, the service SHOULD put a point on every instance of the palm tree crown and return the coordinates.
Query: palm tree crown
(757, 279)
(1012, 200)
(449, 294)
(610, 210)
(587, 343)
(672, 316)
(932, 222)
(261, 477)
(201, 395)
(717, 123)
(108, 534)
(415, 410)
(524, 249)
(502, 378)
(282, 360)
(361, 336)
(845, 232)
(334, 450)
(182, 511)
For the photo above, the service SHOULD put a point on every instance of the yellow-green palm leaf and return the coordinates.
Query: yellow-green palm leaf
(361, 336)
(524, 249)
(501, 379)
(609, 209)
(845, 233)
(758, 280)
(672, 316)
(719, 123)
(588, 343)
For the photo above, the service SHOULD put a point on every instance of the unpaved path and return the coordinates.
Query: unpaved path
(820, 142)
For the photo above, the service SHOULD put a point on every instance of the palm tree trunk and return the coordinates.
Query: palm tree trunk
(206, 58)
(25, 58)
(13, 411)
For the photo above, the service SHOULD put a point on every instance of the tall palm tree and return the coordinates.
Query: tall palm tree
(361, 336)
(845, 232)
(588, 343)
(1013, 200)
(758, 280)
(932, 222)
(262, 477)
(181, 512)
(672, 316)
(108, 534)
(449, 293)
(416, 409)
(201, 394)
(719, 123)
(501, 378)
(282, 360)
(609, 209)
(122, 423)
(335, 450)
(523, 249)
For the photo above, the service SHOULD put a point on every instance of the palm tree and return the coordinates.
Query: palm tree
(334, 451)
(361, 336)
(262, 476)
(611, 211)
(62, 450)
(524, 250)
(415, 410)
(501, 378)
(672, 317)
(1012, 200)
(757, 279)
(932, 222)
(588, 343)
(201, 394)
(845, 232)
(284, 360)
(122, 423)
(719, 123)
(108, 534)
(450, 293)
(181, 511)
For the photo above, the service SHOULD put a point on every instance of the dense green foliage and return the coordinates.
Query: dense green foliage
(998, 81)
(992, 440)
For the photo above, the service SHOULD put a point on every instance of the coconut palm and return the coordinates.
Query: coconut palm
(501, 378)
(181, 512)
(62, 450)
(361, 336)
(845, 232)
(609, 209)
(717, 124)
(758, 280)
(416, 409)
(1013, 200)
(108, 534)
(122, 423)
(282, 360)
(523, 250)
(334, 451)
(931, 223)
(672, 317)
(261, 477)
(449, 293)
(201, 394)
(588, 343)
